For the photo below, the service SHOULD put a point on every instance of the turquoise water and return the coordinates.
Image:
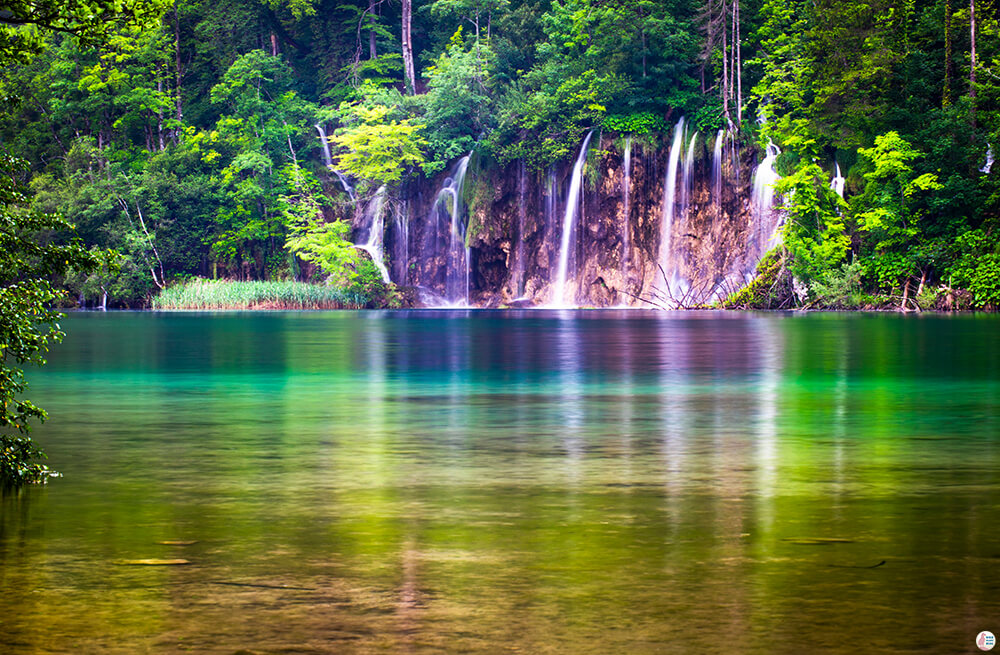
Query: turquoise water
(533, 482)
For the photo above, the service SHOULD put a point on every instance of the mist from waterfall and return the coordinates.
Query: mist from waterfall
(569, 224)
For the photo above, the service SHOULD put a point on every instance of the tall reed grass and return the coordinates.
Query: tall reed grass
(224, 294)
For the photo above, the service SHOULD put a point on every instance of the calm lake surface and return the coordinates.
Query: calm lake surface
(531, 482)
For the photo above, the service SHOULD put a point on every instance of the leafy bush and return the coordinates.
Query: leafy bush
(840, 288)
(643, 122)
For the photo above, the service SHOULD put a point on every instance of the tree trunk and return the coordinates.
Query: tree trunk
(972, 45)
(725, 69)
(946, 93)
(177, 68)
(159, 116)
(738, 65)
(408, 71)
(372, 48)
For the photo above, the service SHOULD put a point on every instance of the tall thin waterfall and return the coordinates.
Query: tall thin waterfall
(569, 222)
(375, 222)
(551, 202)
(988, 166)
(766, 220)
(626, 191)
(402, 249)
(328, 160)
(669, 200)
(688, 178)
(837, 183)
(717, 168)
(458, 269)
(522, 219)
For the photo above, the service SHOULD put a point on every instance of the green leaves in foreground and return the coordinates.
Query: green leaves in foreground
(30, 254)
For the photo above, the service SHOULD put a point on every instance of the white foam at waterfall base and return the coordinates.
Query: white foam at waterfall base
(569, 222)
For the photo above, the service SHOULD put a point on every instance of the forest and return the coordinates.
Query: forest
(189, 140)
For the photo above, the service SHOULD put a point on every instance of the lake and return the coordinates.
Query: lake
(525, 482)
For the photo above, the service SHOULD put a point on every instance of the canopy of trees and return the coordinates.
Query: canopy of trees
(186, 136)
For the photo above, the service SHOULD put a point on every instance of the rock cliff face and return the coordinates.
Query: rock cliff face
(489, 237)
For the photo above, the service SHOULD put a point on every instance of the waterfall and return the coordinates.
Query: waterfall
(669, 199)
(402, 243)
(626, 190)
(375, 220)
(765, 220)
(837, 183)
(522, 219)
(717, 169)
(988, 166)
(457, 268)
(569, 220)
(328, 160)
(687, 177)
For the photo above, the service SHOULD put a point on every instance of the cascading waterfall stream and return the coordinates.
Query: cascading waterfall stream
(669, 200)
(717, 169)
(522, 219)
(569, 222)
(375, 220)
(765, 233)
(626, 207)
(837, 183)
(688, 178)
(328, 160)
(458, 270)
(402, 245)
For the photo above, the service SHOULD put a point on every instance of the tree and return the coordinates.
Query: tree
(34, 246)
(814, 233)
(30, 254)
(87, 19)
(374, 148)
(888, 210)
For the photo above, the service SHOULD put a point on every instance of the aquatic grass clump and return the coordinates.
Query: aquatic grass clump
(225, 294)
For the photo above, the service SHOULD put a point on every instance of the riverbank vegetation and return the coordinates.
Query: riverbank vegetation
(218, 294)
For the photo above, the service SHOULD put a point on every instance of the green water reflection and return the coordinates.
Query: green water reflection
(538, 482)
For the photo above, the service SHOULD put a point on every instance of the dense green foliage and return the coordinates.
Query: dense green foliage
(33, 249)
(190, 146)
